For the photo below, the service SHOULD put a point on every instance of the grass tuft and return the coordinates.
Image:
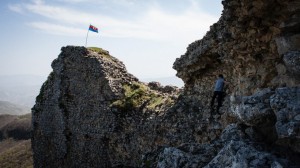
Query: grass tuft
(16, 154)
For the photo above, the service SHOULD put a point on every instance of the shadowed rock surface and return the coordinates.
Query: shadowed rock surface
(92, 113)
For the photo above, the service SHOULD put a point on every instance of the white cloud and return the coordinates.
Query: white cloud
(16, 8)
(154, 23)
(103, 2)
(70, 16)
(58, 29)
(76, 1)
(38, 2)
(182, 26)
(124, 2)
(58, 13)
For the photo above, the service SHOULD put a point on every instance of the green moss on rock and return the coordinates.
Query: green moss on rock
(138, 95)
(99, 51)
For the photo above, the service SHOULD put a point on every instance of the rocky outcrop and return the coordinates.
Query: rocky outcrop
(234, 148)
(286, 105)
(240, 154)
(255, 109)
(91, 109)
(247, 45)
(255, 45)
(92, 113)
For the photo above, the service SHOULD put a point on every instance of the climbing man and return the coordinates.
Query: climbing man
(218, 92)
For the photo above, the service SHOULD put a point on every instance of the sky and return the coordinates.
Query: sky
(146, 35)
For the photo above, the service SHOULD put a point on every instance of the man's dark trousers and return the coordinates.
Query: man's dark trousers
(219, 96)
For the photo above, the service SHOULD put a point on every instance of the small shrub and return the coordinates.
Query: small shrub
(134, 97)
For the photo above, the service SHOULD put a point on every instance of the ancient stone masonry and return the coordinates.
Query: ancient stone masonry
(92, 113)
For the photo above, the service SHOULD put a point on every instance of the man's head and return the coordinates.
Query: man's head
(221, 76)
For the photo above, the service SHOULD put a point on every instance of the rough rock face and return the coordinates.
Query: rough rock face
(61, 118)
(92, 113)
(286, 105)
(88, 113)
(253, 45)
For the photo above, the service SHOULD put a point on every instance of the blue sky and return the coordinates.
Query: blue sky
(146, 35)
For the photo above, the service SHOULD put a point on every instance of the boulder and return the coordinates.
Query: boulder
(186, 155)
(253, 110)
(241, 154)
(292, 62)
(286, 105)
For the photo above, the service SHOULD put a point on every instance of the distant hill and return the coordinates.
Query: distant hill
(20, 89)
(171, 80)
(13, 109)
(23, 89)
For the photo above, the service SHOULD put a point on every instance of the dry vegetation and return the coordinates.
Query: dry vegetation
(15, 154)
(15, 144)
(17, 127)
(138, 95)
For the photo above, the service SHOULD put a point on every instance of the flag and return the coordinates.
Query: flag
(93, 28)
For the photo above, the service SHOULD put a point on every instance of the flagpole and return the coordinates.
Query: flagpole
(87, 37)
